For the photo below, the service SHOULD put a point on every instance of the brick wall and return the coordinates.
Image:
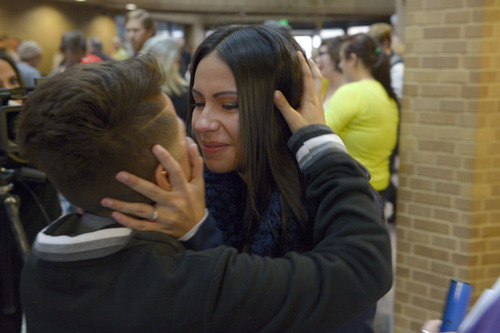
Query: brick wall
(448, 222)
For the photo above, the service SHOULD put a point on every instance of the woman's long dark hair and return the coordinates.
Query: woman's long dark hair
(369, 51)
(262, 60)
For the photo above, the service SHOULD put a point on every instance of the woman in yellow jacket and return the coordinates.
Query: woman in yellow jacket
(364, 111)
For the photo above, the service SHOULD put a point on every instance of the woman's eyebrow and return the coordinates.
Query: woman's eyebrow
(194, 91)
(225, 93)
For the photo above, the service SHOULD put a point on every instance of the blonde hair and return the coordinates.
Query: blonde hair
(166, 51)
(381, 32)
(146, 20)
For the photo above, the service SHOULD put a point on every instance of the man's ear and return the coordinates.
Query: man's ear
(386, 45)
(161, 178)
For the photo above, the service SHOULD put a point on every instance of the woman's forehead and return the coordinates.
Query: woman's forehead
(5, 65)
(213, 74)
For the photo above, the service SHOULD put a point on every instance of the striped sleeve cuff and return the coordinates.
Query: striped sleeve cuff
(311, 142)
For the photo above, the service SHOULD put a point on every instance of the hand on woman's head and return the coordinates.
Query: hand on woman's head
(311, 109)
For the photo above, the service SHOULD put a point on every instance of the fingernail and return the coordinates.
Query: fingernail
(158, 149)
(277, 96)
(106, 202)
(116, 216)
(121, 176)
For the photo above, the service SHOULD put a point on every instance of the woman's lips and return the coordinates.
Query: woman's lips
(212, 147)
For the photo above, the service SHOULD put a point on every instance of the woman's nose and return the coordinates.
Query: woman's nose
(204, 120)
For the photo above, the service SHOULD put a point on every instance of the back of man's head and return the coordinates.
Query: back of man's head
(95, 44)
(84, 125)
(73, 41)
(28, 50)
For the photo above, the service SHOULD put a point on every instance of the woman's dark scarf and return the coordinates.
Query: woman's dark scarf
(225, 197)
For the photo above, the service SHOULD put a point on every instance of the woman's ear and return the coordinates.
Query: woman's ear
(161, 178)
(354, 58)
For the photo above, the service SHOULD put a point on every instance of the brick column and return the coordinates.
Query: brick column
(448, 221)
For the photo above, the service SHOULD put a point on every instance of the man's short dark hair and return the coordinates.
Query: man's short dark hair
(73, 41)
(84, 125)
(96, 43)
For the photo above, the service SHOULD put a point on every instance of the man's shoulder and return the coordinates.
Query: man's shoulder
(24, 67)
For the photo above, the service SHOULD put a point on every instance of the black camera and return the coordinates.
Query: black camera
(9, 118)
(25, 196)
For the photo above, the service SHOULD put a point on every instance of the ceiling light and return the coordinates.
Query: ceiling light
(131, 6)
(316, 41)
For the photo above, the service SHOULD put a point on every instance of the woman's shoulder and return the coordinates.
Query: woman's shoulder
(348, 92)
(350, 88)
(367, 83)
(361, 89)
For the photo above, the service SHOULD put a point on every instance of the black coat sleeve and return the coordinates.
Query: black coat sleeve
(348, 269)
(207, 237)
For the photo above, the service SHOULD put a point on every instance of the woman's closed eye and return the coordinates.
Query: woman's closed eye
(13, 81)
(226, 106)
(230, 106)
(197, 105)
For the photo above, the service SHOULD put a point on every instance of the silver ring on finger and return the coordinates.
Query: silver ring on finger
(154, 217)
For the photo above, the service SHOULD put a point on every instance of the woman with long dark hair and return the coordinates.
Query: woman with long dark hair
(252, 178)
